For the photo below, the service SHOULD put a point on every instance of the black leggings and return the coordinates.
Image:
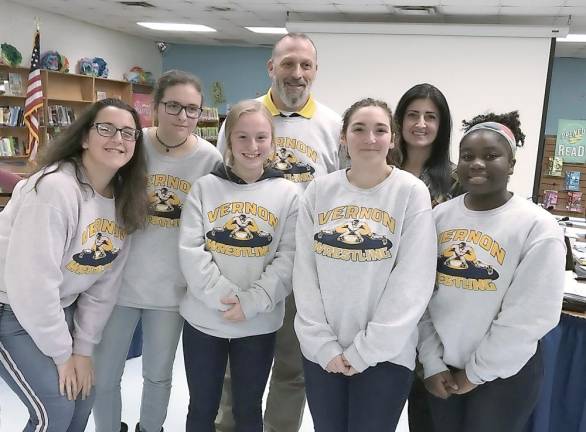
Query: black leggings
(502, 405)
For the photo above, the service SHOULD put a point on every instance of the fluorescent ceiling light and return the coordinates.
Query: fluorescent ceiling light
(176, 27)
(573, 38)
(268, 30)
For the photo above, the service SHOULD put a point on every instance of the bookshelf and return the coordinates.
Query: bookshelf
(558, 183)
(65, 97)
(208, 124)
(13, 134)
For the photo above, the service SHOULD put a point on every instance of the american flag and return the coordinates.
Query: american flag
(34, 99)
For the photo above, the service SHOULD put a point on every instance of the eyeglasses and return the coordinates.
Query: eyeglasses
(174, 108)
(108, 130)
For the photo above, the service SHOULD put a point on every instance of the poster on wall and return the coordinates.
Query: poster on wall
(570, 144)
(143, 105)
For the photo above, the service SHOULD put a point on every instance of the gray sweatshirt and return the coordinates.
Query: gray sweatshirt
(307, 143)
(500, 280)
(59, 245)
(238, 239)
(364, 269)
(152, 278)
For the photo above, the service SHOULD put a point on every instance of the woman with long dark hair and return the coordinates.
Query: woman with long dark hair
(70, 223)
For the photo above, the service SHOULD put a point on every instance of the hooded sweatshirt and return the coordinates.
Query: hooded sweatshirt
(238, 239)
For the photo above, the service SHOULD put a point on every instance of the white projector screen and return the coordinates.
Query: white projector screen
(476, 74)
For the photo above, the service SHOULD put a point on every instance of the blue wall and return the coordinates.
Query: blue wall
(567, 97)
(242, 71)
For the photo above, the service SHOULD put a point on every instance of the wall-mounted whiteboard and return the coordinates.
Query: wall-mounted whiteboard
(476, 74)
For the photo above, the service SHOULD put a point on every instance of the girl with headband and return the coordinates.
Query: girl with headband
(499, 288)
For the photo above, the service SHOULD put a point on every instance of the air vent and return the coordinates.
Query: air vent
(218, 9)
(415, 10)
(137, 4)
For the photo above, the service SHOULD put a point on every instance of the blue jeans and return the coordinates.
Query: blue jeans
(161, 331)
(33, 377)
(370, 401)
(499, 405)
(205, 365)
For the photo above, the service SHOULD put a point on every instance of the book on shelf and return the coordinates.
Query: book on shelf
(550, 199)
(60, 115)
(574, 203)
(11, 146)
(572, 181)
(209, 133)
(209, 114)
(555, 166)
(11, 116)
(15, 87)
(4, 85)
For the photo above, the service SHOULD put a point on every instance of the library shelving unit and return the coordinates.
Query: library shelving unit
(12, 97)
(65, 96)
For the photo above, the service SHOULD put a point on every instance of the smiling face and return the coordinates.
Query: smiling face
(485, 163)
(108, 154)
(251, 144)
(178, 127)
(292, 70)
(368, 136)
(420, 123)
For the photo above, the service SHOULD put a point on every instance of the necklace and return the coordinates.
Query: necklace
(167, 146)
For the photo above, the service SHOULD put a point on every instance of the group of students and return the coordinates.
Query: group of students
(386, 257)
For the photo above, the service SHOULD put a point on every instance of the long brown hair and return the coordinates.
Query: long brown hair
(129, 183)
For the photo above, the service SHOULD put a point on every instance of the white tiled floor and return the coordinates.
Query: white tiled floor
(13, 415)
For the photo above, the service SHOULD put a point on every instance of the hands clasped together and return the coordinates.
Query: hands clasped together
(235, 313)
(446, 383)
(339, 364)
(76, 376)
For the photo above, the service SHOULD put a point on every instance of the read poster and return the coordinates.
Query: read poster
(570, 144)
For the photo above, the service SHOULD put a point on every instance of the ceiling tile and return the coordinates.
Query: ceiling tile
(530, 11)
(533, 3)
(470, 2)
(363, 8)
(468, 10)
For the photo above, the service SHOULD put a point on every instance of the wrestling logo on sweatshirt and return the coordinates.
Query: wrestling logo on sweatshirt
(98, 249)
(240, 235)
(285, 160)
(459, 266)
(164, 203)
(354, 239)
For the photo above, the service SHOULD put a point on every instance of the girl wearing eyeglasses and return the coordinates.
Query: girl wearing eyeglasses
(69, 222)
(152, 284)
